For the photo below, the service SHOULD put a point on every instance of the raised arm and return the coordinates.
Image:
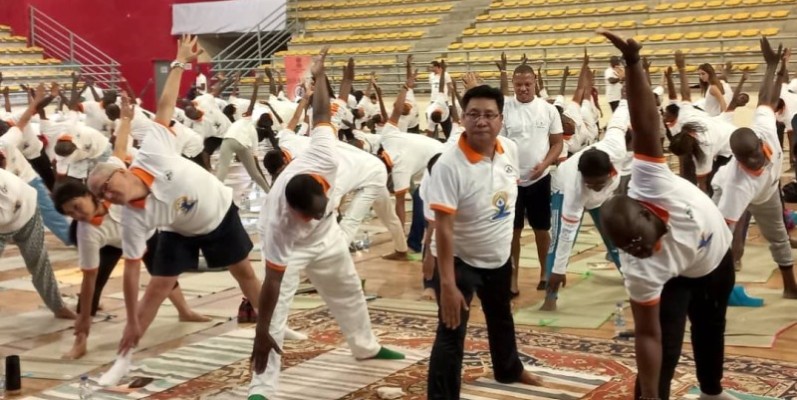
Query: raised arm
(583, 80)
(6, 98)
(672, 94)
(297, 115)
(187, 51)
(398, 107)
(348, 79)
(321, 113)
(504, 78)
(641, 101)
(253, 98)
(380, 99)
(38, 97)
(646, 66)
(272, 87)
(126, 115)
(769, 93)
(90, 85)
(454, 101)
(735, 101)
(563, 82)
(680, 62)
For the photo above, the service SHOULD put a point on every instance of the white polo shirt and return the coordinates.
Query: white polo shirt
(281, 228)
(139, 125)
(244, 132)
(371, 141)
(95, 115)
(790, 100)
(213, 122)
(412, 119)
(434, 83)
(713, 136)
(16, 163)
(29, 144)
(697, 237)
(481, 195)
(408, 154)
(189, 142)
(613, 90)
(437, 103)
(568, 181)
(423, 190)
(201, 79)
(530, 126)
(17, 202)
(101, 231)
(740, 187)
(184, 198)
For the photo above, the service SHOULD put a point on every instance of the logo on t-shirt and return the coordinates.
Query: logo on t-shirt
(183, 205)
(705, 241)
(4, 189)
(500, 205)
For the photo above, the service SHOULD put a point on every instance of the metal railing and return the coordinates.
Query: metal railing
(60, 42)
(258, 44)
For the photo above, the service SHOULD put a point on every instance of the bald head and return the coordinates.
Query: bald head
(99, 175)
(617, 214)
(744, 141)
(631, 226)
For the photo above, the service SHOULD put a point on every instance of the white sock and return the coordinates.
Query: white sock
(291, 334)
(722, 396)
(118, 370)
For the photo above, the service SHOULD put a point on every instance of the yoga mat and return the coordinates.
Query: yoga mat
(14, 262)
(35, 323)
(45, 361)
(529, 258)
(74, 276)
(758, 326)
(757, 265)
(568, 385)
(307, 302)
(595, 262)
(331, 376)
(584, 305)
(694, 394)
(404, 306)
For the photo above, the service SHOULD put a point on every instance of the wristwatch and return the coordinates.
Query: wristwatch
(177, 64)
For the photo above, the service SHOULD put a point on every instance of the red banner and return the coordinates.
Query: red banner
(297, 71)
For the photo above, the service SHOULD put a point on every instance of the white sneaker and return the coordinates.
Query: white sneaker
(291, 334)
(121, 367)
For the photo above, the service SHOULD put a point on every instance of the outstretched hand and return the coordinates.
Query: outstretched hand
(629, 47)
(680, 60)
(318, 66)
(502, 64)
(187, 48)
(771, 56)
(126, 111)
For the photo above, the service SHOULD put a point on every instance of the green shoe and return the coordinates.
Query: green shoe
(256, 397)
(387, 354)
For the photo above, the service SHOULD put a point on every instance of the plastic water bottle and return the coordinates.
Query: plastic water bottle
(366, 242)
(619, 320)
(245, 202)
(85, 392)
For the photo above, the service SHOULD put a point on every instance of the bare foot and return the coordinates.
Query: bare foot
(396, 256)
(527, 378)
(65, 313)
(428, 294)
(194, 317)
(548, 305)
(78, 349)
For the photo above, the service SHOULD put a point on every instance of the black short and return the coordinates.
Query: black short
(226, 245)
(534, 203)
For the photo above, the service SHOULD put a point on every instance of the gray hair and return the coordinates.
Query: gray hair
(99, 175)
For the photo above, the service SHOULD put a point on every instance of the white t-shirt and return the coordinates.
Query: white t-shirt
(17, 202)
(530, 126)
(712, 104)
(201, 80)
(481, 195)
(105, 230)
(568, 181)
(95, 116)
(139, 125)
(16, 163)
(434, 83)
(243, 131)
(437, 103)
(213, 122)
(614, 91)
(697, 237)
(713, 137)
(184, 198)
(29, 144)
(739, 187)
(412, 119)
(371, 141)
(409, 154)
(790, 100)
(189, 142)
(282, 229)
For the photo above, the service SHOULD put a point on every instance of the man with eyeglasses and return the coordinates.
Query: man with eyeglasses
(192, 209)
(675, 253)
(472, 191)
(536, 127)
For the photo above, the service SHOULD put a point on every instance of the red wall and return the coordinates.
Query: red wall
(133, 32)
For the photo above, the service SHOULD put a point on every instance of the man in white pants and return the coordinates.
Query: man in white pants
(298, 230)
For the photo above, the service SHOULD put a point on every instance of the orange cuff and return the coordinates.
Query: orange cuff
(275, 267)
(443, 209)
(649, 303)
(647, 158)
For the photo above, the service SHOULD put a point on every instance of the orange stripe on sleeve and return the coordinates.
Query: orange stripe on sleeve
(443, 208)
(649, 158)
(648, 303)
(570, 220)
(275, 267)
(729, 221)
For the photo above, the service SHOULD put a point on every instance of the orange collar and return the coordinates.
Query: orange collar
(661, 213)
(473, 156)
(97, 220)
(767, 153)
(148, 179)
(320, 179)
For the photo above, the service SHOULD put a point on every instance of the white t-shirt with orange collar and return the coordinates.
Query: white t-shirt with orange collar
(697, 237)
(101, 231)
(184, 198)
(17, 202)
(408, 154)
(481, 195)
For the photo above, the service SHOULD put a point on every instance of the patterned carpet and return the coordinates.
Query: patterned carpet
(608, 365)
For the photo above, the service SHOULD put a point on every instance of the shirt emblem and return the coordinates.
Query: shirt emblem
(183, 205)
(500, 205)
(705, 241)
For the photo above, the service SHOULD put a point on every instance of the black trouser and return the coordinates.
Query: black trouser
(705, 301)
(445, 365)
(44, 168)
(212, 144)
(414, 129)
(614, 104)
(447, 125)
(719, 162)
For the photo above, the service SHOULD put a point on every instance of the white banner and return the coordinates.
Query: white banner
(227, 16)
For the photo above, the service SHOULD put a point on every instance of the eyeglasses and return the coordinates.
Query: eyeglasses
(104, 187)
(476, 116)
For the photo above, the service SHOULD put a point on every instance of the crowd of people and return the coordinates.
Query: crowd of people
(118, 181)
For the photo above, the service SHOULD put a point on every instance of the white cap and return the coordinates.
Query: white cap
(658, 90)
(793, 85)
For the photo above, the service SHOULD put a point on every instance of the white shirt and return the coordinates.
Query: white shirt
(790, 100)
(568, 181)
(281, 228)
(434, 83)
(409, 154)
(201, 80)
(17, 202)
(712, 105)
(713, 136)
(95, 115)
(29, 144)
(184, 198)
(243, 131)
(530, 126)
(481, 195)
(189, 142)
(697, 237)
(371, 141)
(412, 119)
(105, 230)
(213, 122)
(437, 103)
(139, 125)
(614, 91)
(16, 163)
(740, 187)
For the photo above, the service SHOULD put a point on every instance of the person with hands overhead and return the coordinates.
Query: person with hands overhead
(161, 191)
(536, 127)
(299, 231)
(675, 251)
(438, 113)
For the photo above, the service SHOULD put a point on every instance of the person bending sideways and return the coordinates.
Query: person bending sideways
(675, 251)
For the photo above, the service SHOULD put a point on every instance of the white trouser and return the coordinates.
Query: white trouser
(331, 270)
(358, 208)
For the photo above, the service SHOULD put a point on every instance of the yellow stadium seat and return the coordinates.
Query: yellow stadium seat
(711, 34)
(541, 13)
(469, 31)
(779, 14)
(531, 42)
(543, 28)
(769, 1)
(580, 41)
(510, 3)
(527, 15)
(715, 3)
(498, 30)
(640, 38)
(547, 42)
(702, 19)
(732, 3)
(655, 69)
(662, 7)
(609, 24)
(658, 37)
(626, 24)
(685, 20)
(512, 15)
(597, 40)
(739, 49)
(499, 44)
(515, 43)
(741, 16)
(468, 46)
(524, 3)
(512, 29)
(679, 6)
(592, 25)
(483, 31)
(674, 36)
(572, 11)
(730, 34)
(600, 54)
(668, 21)
(588, 11)
(528, 28)
(560, 27)
(484, 45)
(692, 35)
(455, 59)
(455, 46)
(770, 32)
(576, 26)
(750, 32)
(697, 4)
(556, 13)
(622, 9)
(553, 72)
(639, 7)
(483, 17)
(750, 2)
(538, 2)
(760, 15)
(722, 17)
(403, 48)
(563, 41)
